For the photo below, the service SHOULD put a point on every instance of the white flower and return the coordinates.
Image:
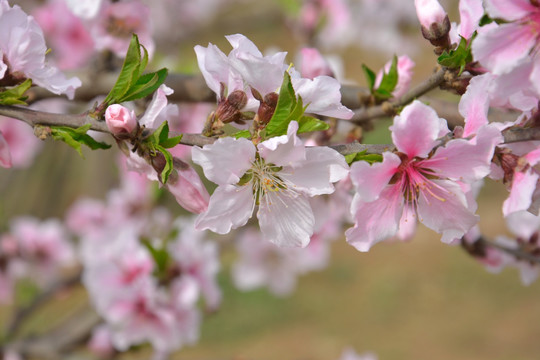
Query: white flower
(279, 175)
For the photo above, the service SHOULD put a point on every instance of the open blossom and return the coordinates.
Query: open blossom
(279, 175)
(502, 48)
(23, 49)
(418, 182)
(245, 67)
(71, 43)
(117, 21)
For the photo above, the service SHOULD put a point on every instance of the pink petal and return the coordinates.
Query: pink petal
(230, 207)
(158, 103)
(416, 129)
(375, 221)
(466, 160)
(370, 180)
(509, 9)
(444, 209)
(286, 220)
(523, 186)
(470, 12)
(474, 104)
(226, 160)
(503, 48)
(189, 191)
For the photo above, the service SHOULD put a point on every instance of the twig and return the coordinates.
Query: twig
(389, 108)
(21, 315)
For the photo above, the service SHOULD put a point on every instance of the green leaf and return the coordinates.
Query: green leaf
(242, 134)
(15, 95)
(308, 123)
(169, 166)
(77, 137)
(285, 106)
(171, 142)
(161, 133)
(370, 76)
(143, 63)
(363, 156)
(145, 85)
(389, 80)
(457, 58)
(129, 73)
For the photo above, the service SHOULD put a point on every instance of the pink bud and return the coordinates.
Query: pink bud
(120, 119)
(189, 190)
(433, 18)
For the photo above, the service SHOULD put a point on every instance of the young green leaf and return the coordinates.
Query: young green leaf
(308, 123)
(129, 73)
(389, 80)
(285, 106)
(370, 76)
(363, 156)
(169, 166)
(15, 95)
(457, 58)
(242, 134)
(77, 137)
(145, 85)
(171, 142)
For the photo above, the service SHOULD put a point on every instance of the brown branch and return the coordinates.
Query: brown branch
(21, 315)
(387, 109)
(33, 118)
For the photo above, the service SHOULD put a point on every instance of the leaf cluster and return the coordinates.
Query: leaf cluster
(388, 82)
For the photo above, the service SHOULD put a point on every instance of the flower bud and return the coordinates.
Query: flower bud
(188, 188)
(434, 21)
(229, 109)
(120, 120)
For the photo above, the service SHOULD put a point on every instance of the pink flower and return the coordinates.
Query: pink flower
(19, 141)
(120, 119)
(245, 67)
(405, 71)
(23, 52)
(116, 23)
(501, 48)
(71, 42)
(418, 181)
(314, 64)
(86, 9)
(188, 189)
(279, 175)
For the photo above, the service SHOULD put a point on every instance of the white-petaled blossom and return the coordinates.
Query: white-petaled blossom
(22, 52)
(279, 174)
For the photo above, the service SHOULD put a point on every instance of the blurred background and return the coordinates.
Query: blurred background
(416, 300)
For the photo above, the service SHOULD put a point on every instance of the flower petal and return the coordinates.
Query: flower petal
(466, 160)
(286, 220)
(503, 48)
(474, 104)
(370, 180)
(226, 160)
(230, 207)
(375, 221)
(509, 9)
(416, 130)
(158, 103)
(444, 209)
(322, 167)
(5, 155)
(523, 186)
